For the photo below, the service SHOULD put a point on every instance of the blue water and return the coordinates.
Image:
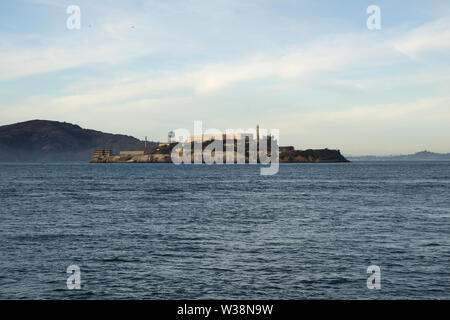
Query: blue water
(160, 231)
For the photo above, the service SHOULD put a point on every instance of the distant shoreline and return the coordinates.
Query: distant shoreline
(418, 156)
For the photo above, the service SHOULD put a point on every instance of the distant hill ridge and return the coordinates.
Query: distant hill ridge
(418, 156)
(53, 141)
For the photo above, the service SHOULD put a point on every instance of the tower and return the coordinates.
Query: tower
(170, 135)
(257, 142)
(145, 143)
(257, 137)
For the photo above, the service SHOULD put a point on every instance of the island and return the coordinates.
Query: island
(162, 154)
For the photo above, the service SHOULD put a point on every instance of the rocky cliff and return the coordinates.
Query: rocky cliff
(310, 155)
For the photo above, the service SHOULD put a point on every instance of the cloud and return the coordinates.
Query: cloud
(19, 61)
(328, 55)
(395, 128)
(429, 37)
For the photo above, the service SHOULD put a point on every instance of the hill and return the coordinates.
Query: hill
(53, 141)
(418, 156)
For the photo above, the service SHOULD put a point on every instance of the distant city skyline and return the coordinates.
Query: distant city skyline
(311, 69)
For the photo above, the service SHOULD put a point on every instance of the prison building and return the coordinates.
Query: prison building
(100, 153)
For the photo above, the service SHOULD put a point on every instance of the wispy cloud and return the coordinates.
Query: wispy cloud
(427, 38)
(389, 128)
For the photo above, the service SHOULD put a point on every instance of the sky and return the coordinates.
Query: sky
(310, 68)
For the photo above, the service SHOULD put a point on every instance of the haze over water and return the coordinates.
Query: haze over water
(160, 231)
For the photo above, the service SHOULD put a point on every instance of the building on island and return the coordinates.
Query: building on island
(100, 153)
(232, 142)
